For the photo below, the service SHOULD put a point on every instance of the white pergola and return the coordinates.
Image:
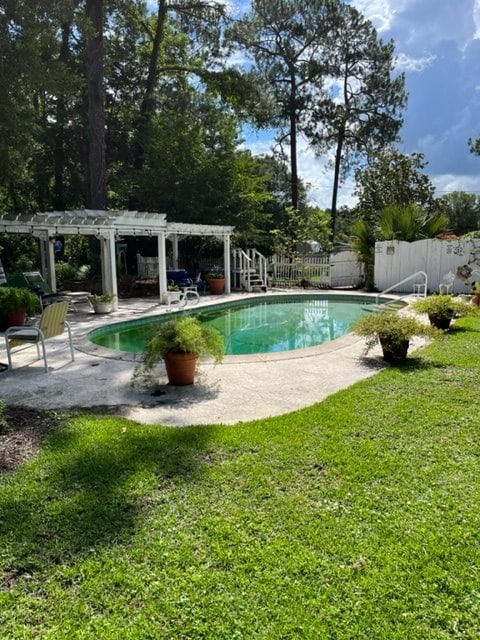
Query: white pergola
(108, 226)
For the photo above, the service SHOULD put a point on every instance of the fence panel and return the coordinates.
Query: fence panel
(310, 271)
(395, 260)
(336, 270)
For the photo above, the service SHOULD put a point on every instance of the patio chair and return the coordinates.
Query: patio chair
(52, 323)
(179, 277)
(36, 282)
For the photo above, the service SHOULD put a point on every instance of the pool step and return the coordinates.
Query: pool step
(393, 305)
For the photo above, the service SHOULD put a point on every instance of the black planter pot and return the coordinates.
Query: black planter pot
(441, 322)
(394, 350)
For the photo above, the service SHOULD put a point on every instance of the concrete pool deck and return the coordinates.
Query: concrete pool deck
(241, 388)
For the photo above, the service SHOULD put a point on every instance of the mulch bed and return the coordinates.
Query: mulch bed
(25, 431)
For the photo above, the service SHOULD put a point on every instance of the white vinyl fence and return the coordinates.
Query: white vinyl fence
(345, 269)
(335, 270)
(340, 269)
(454, 262)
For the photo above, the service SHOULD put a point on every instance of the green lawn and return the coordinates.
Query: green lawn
(356, 518)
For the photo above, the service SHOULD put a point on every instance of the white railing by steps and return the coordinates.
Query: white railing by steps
(422, 287)
(249, 269)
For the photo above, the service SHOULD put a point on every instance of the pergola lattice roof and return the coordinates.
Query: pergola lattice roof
(91, 222)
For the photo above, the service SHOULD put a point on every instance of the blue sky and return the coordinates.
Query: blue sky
(437, 44)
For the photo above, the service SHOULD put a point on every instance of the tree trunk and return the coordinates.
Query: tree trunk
(147, 106)
(293, 138)
(336, 182)
(59, 150)
(97, 172)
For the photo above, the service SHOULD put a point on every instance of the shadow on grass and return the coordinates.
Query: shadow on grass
(470, 328)
(412, 363)
(88, 488)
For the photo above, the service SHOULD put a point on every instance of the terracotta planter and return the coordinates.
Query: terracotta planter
(476, 299)
(216, 285)
(14, 319)
(394, 351)
(441, 322)
(181, 368)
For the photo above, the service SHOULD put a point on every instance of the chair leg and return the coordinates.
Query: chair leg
(42, 340)
(67, 324)
(9, 355)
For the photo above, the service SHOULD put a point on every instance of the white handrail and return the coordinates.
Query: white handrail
(394, 286)
(246, 263)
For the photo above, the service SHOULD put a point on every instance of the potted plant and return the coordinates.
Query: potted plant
(102, 303)
(216, 280)
(442, 309)
(393, 331)
(173, 294)
(476, 294)
(15, 304)
(180, 342)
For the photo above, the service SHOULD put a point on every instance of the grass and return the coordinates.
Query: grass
(355, 518)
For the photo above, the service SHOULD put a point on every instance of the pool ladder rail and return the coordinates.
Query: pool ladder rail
(419, 291)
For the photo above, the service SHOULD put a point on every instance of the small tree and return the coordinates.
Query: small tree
(363, 242)
(300, 228)
(392, 178)
(462, 209)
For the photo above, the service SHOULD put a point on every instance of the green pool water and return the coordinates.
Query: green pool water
(265, 325)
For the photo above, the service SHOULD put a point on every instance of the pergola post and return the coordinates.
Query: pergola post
(109, 266)
(162, 265)
(226, 262)
(174, 240)
(43, 244)
(50, 255)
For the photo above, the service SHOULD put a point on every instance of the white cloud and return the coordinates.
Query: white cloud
(447, 183)
(476, 17)
(408, 63)
(379, 12)
(312, 170)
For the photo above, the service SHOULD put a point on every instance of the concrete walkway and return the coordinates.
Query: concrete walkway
(241, 388)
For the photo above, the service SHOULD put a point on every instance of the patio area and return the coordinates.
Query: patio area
(230, 392)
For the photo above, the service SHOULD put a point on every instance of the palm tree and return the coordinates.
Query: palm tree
(410, 222)
(363, 242)
(397, 222)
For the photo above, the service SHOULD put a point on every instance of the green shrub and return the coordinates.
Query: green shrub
(83, 272)
(13, 298)
(443, 305)
(65, 271)
(391, 326)
(3, 419)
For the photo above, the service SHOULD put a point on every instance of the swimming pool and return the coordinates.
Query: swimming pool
(259, 325)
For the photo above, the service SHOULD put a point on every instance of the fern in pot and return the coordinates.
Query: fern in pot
(393, 331)
(442, 309)
(179, 343)
(15, 304)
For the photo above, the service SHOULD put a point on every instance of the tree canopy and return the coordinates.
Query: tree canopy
(125, 104)
(392, 178)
